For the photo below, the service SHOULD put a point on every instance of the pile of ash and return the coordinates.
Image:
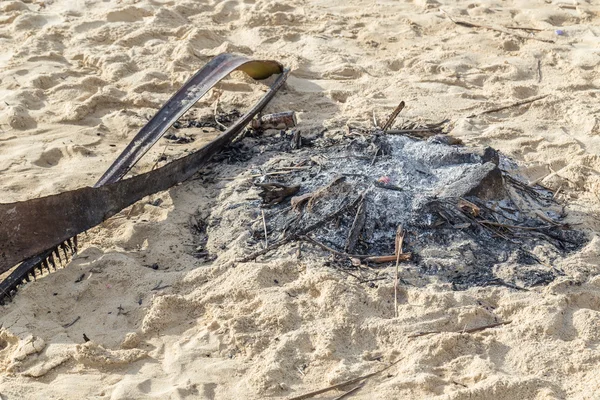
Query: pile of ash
(467, 217)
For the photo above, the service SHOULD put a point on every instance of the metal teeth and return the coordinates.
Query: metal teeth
(75, 244)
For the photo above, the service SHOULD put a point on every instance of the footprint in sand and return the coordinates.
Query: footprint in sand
(49, 158)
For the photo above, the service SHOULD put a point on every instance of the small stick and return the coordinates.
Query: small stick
(416, 130)
(539, 70)
(349, 392)
(340, 385)
(375, 156)
(215, 112)
(524, 28)
(525, 228)
(161, 156)
(493, 28)
(399, 241)
(265, 228)
(481, 328)
(292, 168)
(357, 226)
(557, 192)
(390, 121)
(158, 287)
(257, 175)
(329, 249)
(72, 323)
(517, 104)
(473, 330)
(375, 121)
(386, 259)
(381, 278)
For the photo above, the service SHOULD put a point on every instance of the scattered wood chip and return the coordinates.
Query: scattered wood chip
(275, 193)
(470, 208)
(309, 199)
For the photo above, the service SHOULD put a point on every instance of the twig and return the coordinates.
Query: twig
(215, 111)
(482, 328)
(292, 168)
(409, 131)
(158, 287)
(390, 121)
(386, 259)
(539, 70)
(349, 392)
(388, 186)
(375, 124)
(473, 330)
(340, 385)
(257, 175)
(357, 226)
(525, 228)
(265, 228)
(493, 28)
(398, 242)
(524, 28)
(259, 253)
(159, 158)
(517, 104)
(72, 323)
(381, 278)
(311, 240)
(375, 155)
(557, 192)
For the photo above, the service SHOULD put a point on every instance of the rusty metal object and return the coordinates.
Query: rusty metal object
(282, 120)
(37, 228)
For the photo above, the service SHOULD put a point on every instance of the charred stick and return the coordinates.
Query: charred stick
(387, 259)
(390, 121)
(357, 226)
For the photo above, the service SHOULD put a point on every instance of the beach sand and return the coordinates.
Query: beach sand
(79, 78)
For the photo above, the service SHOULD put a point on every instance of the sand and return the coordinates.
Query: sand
(79, 78)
